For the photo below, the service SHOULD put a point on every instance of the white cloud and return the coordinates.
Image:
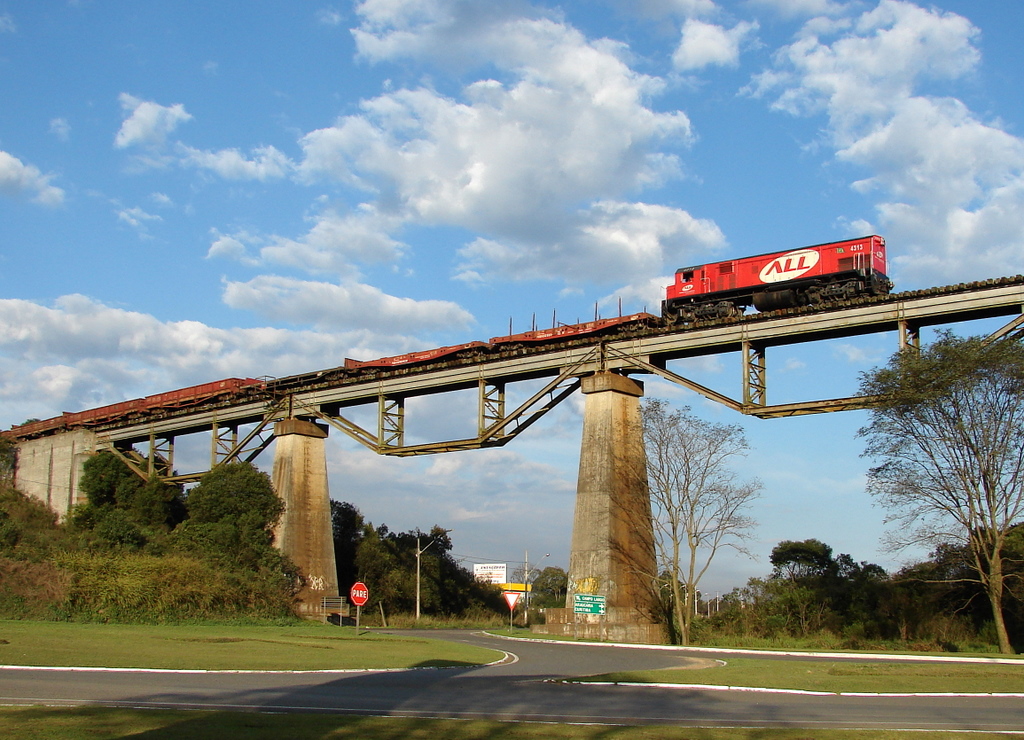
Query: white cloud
(515, 157)
(60, 128)
(341, 306)
(267, 163)
(329, 17)
(704, 44)
(335, 243)
(20, 179)
(612, 240)
(948, 183)
(7, 23)
(80, 353)
(136, 218)
(146, 123)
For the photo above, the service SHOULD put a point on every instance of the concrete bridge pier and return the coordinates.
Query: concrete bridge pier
(304, 532)
(613, 534)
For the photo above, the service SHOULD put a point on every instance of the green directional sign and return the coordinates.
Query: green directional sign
(588, 604)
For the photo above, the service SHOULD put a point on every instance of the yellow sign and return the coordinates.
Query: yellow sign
(516, 587)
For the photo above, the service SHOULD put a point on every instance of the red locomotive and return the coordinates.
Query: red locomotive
(806, 276)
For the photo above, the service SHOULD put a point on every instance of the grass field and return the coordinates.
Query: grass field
(304, 646)
(842, 676)
(101, 724)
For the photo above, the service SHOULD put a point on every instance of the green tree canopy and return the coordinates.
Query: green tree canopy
(803, 559)
(948, 432)
(232, 513)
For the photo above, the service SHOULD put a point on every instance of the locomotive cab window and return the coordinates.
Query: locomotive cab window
(686, 276)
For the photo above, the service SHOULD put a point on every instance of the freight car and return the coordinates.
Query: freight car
(573, 330)
(180, 398)
(412, 358)
(807, 276)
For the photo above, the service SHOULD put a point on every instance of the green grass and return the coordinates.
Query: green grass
(100, 723)
(841, 676)
(304, 646)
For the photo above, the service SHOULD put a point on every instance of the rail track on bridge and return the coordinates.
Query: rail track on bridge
(241, 421)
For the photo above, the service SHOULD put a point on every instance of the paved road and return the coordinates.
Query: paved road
(517, 689)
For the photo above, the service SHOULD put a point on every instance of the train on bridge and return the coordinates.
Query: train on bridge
(814, 275)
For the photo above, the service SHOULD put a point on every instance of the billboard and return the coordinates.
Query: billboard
(490, 572)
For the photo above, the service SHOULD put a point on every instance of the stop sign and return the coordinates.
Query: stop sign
(359, 594)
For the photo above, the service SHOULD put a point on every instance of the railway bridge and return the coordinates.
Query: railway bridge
(612, 541)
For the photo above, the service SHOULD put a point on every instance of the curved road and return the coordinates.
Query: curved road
(516, 689)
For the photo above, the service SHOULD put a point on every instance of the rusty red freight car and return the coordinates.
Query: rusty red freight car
(807, 276)
(411, 358)
(571, 330)
(171, 399)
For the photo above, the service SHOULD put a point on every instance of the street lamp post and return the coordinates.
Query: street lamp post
(420, 551)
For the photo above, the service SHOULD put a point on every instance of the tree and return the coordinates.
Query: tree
(121, 509)
(8, 460)
(232, 513)
(804, 559)
(347, 528)
(949, 432)
(698, 501)
(549, 587)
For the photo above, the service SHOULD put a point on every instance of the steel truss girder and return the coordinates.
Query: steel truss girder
(751, 409)
(495, 427)
(224, 449)
(755, 381)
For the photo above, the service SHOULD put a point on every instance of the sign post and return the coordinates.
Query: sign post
(511, 598)
(359, 594)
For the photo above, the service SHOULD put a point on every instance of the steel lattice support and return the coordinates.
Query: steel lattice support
(391, 422)
(223, 441)
(910, 335)
(161, 455)
(492, 405)
(755, 379)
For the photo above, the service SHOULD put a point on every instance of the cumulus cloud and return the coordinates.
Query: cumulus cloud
(948, 183)
(612, 240)
(516, 156)
(341, 306)
(146, 123)
(20, 179)
(336, 243)
(79, 353)
(705, 44)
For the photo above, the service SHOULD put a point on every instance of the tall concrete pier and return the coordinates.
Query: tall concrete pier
(613, 537)
(304, 532)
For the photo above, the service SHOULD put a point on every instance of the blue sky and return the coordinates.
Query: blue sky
(197, 191)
